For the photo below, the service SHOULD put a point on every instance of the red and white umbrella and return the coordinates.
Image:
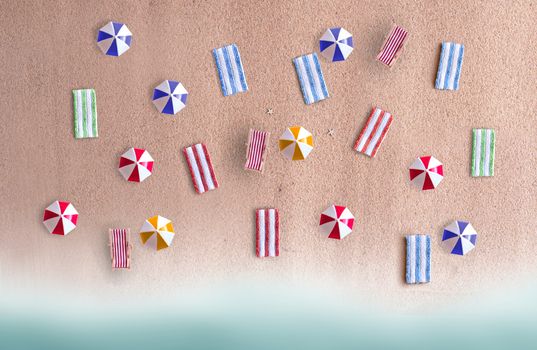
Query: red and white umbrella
(60, 218)
(136, 165)
(426, 172)
(337, 222)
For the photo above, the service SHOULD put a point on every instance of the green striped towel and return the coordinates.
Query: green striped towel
(85, 106)
(483, 152)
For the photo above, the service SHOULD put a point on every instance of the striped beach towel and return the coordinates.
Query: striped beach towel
(256, 150)
(120, 248)
(85, 106)
(374, 131)
(267, 233)
(418, 259)
(201, 168)
(449, 67)
(230, 70)
(483, 152)
(393, 45)
(311, 78)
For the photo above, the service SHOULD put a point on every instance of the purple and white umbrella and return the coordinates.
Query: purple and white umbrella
(114, 39)
(170, 97)
(336, 44)
(459, 237)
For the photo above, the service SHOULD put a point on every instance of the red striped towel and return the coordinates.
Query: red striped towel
(256, 150)
(374, 131)
(120, 248)
(201, 168)
(267, 238)
(393, 45)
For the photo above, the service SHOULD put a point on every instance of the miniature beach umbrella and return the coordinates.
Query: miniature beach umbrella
(296, 143)
(114, 39)
(336, 44)
(337, 222)
(459, 237)
(426, 172)
(157, 232)
(170, 97)
(60, 218)
(136, 165)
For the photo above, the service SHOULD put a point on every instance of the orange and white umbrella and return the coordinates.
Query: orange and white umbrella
(60, 218)
(296, 143)
(337, 221)
(136, 165)
(426, 172)
(157, 232)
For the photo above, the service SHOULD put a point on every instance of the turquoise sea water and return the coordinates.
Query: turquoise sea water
(293, 332)
(268, 322)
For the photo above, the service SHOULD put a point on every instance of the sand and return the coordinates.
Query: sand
(49, 49)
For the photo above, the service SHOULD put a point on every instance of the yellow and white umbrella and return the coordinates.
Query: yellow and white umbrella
(157, 232)
(296, 143)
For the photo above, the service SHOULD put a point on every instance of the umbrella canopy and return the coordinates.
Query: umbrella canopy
(296, 143)
(170, 97)
(136, 165)
(60, 218)
(157, 232)
(426, 172)
(459, 237)
(114, 39)
(337, 222)
(336, 44)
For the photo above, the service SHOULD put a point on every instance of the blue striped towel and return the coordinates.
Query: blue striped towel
(449, 67)
(418, 259)
(311, 78)
(230, 70)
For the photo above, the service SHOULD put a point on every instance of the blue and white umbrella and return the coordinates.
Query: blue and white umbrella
(114, 39)
(336, 44)
(459, 237)
(170, 97)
